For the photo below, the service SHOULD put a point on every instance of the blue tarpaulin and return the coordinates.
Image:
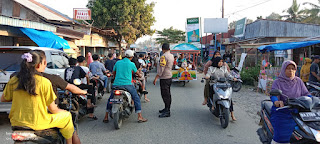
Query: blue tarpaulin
(185, 46)
(286, 46)
(46, 39)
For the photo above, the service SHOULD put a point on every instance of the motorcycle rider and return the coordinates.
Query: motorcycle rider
(98, 69)
(123, 78)
(76, 72)
(110, 62)
(218, 70)
(314, 70)
(206, 67)
(32, 96)
(143, 69)
(293, 87)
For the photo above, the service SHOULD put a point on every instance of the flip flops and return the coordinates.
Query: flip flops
(142, 121)
(93, 118)
(105, 121)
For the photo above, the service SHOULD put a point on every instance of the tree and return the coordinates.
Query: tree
(294, 14)
(259, 17)
(170, 35)
(274, 16)
(232, 25)
(313, 13)
(131, 19)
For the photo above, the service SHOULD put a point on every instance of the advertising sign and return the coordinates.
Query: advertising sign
(81, 14)
(240, 28)
(193, 30)
(280, 53)
(215, 25)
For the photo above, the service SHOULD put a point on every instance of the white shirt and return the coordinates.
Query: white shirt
(142, 62)
(87, 71)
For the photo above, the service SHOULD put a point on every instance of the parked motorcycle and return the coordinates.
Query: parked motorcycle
(110, 81)
(307, 118)
(236, 85)
(122, 106)
(220, 100)
(314, 88)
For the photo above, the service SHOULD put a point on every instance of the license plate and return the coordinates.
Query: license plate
(2, 86)
(117, 101)
(310, 116)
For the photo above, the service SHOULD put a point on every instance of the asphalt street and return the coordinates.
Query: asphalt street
(190, 122)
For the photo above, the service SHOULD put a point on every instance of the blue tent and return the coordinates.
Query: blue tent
(286, 46)
(46, 39)
(185, 46)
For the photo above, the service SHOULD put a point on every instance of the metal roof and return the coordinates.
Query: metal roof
(28, 47)
(41, 10)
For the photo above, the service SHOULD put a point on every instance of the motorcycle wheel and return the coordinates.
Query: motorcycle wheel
(236, 86)
(224, 119)
(118, 119)
(109, 87)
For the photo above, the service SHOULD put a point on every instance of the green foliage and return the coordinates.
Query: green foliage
(294, 13)
(131, 19)
(274, 16)
(312, 15)
(170, 35)
(249, 75)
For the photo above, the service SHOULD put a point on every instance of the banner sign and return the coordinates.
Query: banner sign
(193, 30)
(81, 14)
(240, 28)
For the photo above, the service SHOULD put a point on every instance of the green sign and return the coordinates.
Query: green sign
(240, 27)
(193, 30)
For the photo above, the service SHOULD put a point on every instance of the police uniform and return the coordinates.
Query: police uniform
(165, 75)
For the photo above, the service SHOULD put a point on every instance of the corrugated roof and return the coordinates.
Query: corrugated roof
(41, 10)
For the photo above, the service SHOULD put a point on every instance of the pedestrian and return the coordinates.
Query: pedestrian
(314, 70)
(305, 70)
(165, 75)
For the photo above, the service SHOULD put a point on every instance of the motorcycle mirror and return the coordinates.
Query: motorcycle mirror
(275, 92)
(77, 81)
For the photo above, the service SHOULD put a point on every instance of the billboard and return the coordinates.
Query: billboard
(240, 27)
(215, 25)
(193, 30)
(81, 14)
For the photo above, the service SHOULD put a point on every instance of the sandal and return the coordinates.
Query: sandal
(147, 100)
(105, 121)
(93, 118)
(143, 120)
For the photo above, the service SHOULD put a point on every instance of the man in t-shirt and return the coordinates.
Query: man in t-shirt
(98, 69)
(76, 72)
(110, 62)
(314, 70)
(123, 76)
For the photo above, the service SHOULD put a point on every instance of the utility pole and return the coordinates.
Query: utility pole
(221, 41)
(222, 8)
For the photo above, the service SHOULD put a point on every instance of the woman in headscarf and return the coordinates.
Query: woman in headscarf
(219, 70)
(305, 70)
(206, 67)
(293, 87)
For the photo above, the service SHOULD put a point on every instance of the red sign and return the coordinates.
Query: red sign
(81, 14)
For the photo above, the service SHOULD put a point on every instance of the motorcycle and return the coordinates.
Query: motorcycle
(220, 100)
(122, 106)
(138, 85)
(236, 85)
(98, 87)
(314, 88)
(307, 118)
(110, 81)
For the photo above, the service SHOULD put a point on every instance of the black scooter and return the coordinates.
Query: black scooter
(314, 88)
(307, 119)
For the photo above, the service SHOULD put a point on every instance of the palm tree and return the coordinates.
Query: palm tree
(294, 14)
(313, 13)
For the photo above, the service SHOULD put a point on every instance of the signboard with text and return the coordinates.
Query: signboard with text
(193, 30)
(215, 25)
(240, 28)
(81, 14)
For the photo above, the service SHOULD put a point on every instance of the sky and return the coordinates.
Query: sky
(175, 12)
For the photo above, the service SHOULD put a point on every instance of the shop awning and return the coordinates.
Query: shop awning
(287, 46)
(46, 39)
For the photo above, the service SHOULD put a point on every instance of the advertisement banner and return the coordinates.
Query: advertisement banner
(240, 27)
(215, 25)
(193, 30)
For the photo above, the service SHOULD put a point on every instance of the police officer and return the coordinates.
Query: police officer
(165, 75)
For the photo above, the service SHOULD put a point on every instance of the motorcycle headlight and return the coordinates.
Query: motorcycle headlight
(316, 134)
(228, 92)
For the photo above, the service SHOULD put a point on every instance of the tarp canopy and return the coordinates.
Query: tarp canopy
(185, 46)
(46, 39)
(286, 46)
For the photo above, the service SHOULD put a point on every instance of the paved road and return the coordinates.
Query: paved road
(190, 122)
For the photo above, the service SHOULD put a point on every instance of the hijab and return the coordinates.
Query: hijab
(291, 87)
(216, 61)
(215, 54)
